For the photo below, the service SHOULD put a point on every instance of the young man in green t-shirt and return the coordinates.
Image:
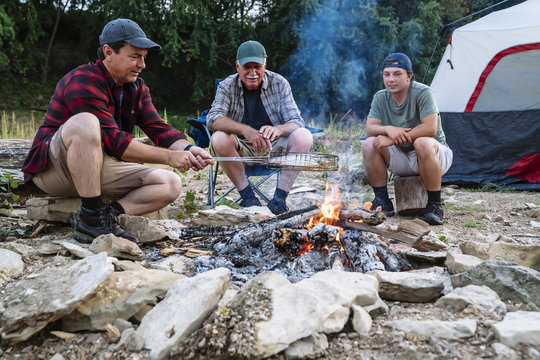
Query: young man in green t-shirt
(405, 136)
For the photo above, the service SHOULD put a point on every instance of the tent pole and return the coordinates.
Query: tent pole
(443, 29)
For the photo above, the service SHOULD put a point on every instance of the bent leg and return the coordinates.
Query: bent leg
(74, 159)
(299, 141)
(159, 188)
(81, 135)
(428, 162)
(224, 144)
(375, 162)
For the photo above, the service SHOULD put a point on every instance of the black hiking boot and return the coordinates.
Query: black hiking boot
(386, 206)
(278, 206)
(116, 229)
(434, 213)
(92, 225)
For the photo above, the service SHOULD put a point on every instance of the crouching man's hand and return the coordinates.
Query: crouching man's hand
(201, 158)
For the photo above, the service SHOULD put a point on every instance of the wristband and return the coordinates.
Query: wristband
(188, 147)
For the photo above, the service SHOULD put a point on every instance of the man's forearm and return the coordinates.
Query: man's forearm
(142, 153)
(287, 128)
(229, 126)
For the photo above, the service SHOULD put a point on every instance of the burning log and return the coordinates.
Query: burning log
(290, 241)
(322, 235)
(369, 217)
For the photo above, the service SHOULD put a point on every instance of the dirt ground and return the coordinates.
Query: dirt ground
(468, 216)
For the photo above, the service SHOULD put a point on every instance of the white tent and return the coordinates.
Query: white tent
(495, 45)
(487, 87)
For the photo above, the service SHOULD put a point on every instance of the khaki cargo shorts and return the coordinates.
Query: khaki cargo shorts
(406, 163)
(117, 177)
(246, 147)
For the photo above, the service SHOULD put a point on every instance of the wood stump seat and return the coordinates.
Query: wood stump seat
(410, 194)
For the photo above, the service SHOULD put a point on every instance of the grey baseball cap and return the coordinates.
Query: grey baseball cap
(251, 51)
(126, 30)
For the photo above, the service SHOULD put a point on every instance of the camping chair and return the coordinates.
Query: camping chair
(202, 135)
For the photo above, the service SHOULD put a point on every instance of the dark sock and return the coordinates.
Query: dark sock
(281, 194)
(434, 196)
(381, 192)
(247, 192)
(119, 208)
(92, 204)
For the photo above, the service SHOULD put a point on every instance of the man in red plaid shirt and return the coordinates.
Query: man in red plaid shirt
(85, 145)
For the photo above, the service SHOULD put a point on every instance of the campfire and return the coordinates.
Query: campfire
(298, 245)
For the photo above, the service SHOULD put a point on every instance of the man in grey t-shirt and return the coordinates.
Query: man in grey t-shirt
(405, 136)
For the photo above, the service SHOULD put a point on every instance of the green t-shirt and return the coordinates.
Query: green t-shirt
(419, 103)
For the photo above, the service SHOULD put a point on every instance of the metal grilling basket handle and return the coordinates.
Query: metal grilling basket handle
(290, 161)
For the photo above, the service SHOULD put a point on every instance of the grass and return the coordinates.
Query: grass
(490, 187)
(18, 125)
(470, 223)
(24, 124)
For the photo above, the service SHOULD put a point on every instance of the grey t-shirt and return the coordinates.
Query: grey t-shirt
(419, 103)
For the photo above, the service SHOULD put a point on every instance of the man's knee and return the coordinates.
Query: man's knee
(170, 183)
(425, 147)
(222, 141)
(368, 147)
(82, 127)
(301, 140)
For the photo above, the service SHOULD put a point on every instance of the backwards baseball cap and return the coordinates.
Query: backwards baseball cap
(251, 51)
(128, 31)
(398, 60)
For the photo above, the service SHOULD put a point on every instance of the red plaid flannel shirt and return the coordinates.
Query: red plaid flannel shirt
(91, 88)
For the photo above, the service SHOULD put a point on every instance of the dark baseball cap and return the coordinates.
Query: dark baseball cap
(251, 51)
(398, 60)
(128, 31)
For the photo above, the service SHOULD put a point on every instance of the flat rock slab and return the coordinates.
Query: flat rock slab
(450, 330)
(187, 304)
(509, 280)
(44, 297)
(481, 297)
(408, 286)
(519, 327)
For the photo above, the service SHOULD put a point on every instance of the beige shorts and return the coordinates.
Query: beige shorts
(117, 177)
(406, 163)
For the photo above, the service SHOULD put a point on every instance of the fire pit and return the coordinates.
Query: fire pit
(297, 244)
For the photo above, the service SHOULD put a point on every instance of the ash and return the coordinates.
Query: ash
(363, 252)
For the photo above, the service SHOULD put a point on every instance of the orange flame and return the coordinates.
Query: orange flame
(329, 215)
(329, 209)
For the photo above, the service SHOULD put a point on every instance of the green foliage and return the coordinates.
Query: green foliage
(470, 223)
(199, 41)
(444, 239)
(225, 202)
(7, 184)
(491, 187)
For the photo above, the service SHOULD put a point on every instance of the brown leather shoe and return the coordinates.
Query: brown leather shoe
(116, 229)
(92, 225)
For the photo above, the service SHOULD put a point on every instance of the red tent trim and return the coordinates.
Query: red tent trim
(491, 65)
(528, 168)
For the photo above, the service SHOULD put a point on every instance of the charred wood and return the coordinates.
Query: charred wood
(290, 241)
(254, 234)
(322, 235)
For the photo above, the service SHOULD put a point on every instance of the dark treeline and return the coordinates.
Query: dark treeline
(330, 50)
